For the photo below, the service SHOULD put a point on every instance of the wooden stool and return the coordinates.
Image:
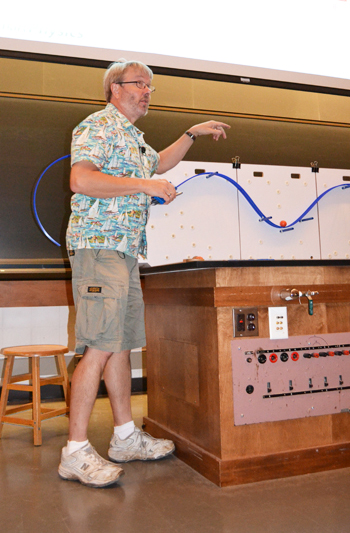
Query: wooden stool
(10, 382)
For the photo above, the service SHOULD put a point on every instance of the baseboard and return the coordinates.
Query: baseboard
(253, 469)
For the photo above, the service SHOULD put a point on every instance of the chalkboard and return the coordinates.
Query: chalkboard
(35, 132)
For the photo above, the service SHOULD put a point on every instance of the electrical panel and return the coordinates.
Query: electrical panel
(290, 378)
(245, 322)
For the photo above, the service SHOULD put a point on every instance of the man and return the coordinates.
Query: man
(111, 178)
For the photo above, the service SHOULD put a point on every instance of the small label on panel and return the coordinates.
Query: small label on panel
(278, 323)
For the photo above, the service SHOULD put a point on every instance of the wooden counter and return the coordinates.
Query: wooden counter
(189, 329)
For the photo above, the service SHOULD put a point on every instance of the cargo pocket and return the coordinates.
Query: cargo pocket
(97, 310)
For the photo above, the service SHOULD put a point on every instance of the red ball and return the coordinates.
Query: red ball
(283, 223)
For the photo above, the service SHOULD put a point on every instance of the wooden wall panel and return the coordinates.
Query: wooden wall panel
(34, 293)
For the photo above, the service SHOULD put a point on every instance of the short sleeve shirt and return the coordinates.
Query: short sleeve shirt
(109, 140)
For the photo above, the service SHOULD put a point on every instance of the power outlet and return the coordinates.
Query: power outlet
(278, 323)
(245, 322)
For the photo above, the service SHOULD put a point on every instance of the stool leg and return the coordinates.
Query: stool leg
(63, 372)
(36, 400)
(5, 392)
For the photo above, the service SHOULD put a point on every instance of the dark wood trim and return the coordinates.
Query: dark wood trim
(36, 293)
(253, 469)
(242, 296)
(262, 295)
(202, 297)
(200, 460)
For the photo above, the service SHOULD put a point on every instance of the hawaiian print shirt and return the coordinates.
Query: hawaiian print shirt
(108, 140)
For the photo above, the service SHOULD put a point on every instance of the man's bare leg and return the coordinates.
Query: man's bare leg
(79, 460)
(85, 382)
(117, 378)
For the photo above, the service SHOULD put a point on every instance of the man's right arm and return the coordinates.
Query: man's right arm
(87, 179)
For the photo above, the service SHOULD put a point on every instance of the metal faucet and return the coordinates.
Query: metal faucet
(293, 294)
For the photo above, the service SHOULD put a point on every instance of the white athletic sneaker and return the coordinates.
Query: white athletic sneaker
(88, 467)
(139, 445)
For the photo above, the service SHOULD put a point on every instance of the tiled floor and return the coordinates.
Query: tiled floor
(158, 497)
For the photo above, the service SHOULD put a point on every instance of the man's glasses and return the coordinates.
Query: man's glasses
(139, 85)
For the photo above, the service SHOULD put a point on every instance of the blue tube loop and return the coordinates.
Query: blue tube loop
(240, 189)
(34, 199)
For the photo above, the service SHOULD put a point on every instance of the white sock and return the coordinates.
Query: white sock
(74, 446)
(125, 430)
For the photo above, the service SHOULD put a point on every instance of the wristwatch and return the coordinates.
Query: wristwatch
(193, 137)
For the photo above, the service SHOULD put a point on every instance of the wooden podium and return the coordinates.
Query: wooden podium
(189, 326)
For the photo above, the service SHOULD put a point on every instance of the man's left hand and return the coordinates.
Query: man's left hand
(212, 127)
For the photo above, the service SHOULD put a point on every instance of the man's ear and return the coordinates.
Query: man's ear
(115, 90)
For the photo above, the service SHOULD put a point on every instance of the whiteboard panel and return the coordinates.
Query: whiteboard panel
(203, 221)
(334, 214)
(213, 220)
(283, 198)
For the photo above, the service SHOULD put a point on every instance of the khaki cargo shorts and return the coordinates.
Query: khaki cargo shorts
(108, 301)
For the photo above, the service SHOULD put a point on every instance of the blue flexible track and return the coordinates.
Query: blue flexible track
(34, 199)
(251, 202)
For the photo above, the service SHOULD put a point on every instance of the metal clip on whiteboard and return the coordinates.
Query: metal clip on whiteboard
(314, 166)
(235, 162)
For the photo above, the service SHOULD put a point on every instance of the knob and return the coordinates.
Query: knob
(250, 389)
(294, 356)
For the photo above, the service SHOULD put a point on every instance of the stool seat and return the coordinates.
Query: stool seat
(13, 382)
(33, 350)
